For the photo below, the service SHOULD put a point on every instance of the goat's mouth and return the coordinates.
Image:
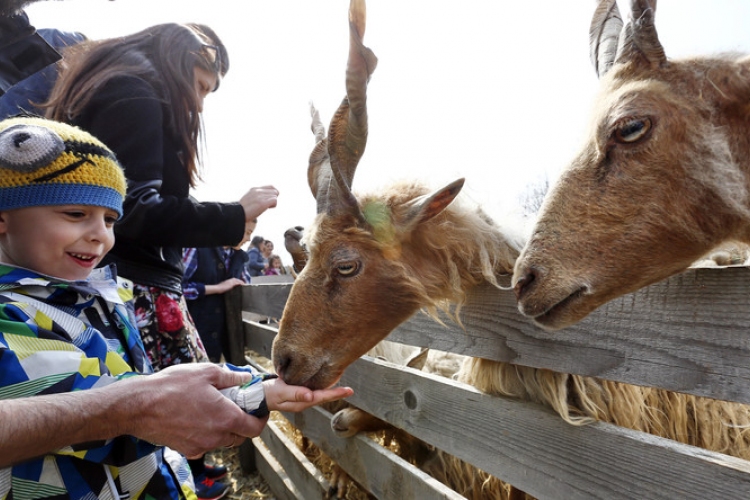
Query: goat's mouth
(565, 312)
(325, 377)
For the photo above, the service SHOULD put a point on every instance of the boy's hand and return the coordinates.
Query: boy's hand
(228, 284)
(295, 398)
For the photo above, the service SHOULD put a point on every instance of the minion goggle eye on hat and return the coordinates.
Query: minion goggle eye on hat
(43, 162)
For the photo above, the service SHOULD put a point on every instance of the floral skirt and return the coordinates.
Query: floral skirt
(168, 332)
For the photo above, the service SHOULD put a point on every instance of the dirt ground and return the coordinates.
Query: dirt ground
(243, 486)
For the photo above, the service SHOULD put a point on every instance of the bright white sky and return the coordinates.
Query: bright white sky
(494, 91)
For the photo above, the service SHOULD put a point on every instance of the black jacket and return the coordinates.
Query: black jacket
(160, 218)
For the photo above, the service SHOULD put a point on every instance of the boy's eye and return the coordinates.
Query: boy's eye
(74, 213)
(110, 220)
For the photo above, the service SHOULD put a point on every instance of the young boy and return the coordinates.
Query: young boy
(79, 419)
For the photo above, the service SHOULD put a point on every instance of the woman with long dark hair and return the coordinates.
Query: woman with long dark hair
(142, 95)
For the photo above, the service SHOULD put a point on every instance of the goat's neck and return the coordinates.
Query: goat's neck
(737, 127)
(723, 87)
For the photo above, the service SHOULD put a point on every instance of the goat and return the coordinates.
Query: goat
(376, 259)
(370, 250)
(663, 178)
(348, 421)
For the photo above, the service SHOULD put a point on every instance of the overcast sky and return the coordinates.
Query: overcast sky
(494, 91)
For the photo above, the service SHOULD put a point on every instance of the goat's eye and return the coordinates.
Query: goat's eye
(632, 130)
(348, 269)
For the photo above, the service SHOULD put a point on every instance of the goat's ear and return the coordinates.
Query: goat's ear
(428, 206)
(604, 34)
(639, 43)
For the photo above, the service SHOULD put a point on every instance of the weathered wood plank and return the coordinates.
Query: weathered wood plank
(259, 337)
(690, 333)
(532, 448)
(308, 480)
(382, 473)
(273, 279)
(267, 299)
(278, 480)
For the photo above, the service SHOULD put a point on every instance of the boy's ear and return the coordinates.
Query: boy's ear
(3, 225)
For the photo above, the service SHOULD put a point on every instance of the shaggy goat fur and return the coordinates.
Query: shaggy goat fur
(440, 258)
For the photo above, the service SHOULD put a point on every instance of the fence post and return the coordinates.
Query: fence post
(236, 334)
(235, 330)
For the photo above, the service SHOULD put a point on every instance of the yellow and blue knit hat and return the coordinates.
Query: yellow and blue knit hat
(43, 162)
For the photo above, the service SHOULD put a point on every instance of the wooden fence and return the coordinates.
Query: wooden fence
(690, 333)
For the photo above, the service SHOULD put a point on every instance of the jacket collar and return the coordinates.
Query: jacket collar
(102, 281)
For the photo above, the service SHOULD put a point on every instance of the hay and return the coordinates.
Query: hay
(243, 486)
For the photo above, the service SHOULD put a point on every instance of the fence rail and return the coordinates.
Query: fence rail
(690, 333)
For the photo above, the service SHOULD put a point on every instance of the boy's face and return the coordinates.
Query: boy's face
(64, 241)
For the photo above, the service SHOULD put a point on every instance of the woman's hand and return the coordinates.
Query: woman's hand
(258, 200)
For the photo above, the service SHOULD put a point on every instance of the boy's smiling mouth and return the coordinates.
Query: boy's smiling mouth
(85, 259)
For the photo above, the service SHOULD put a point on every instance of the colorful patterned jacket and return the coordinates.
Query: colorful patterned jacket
(59, 336)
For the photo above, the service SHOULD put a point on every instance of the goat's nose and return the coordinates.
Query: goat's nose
(528, 276)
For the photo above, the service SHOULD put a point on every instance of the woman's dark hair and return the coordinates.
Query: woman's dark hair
(257, 240)
(164, 55)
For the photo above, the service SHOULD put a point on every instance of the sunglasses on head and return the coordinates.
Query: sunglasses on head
(216, 57)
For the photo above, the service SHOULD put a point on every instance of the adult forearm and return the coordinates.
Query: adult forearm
(34, 426)
(166, 408)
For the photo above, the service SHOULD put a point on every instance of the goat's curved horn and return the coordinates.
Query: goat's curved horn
(639, 41)
(347, 133)
(604, 35)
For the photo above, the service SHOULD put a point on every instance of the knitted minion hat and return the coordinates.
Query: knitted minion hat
(43, 162)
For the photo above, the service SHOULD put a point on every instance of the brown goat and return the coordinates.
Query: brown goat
(376, 259)
(663, 178)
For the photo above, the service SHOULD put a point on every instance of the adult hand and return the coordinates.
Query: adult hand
(258, 200)
(283, 397)
(181, 407)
